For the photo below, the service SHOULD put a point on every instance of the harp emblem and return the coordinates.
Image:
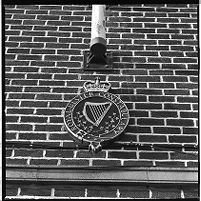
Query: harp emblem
(95, 112)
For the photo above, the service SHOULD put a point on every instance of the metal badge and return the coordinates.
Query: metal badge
(96, 116)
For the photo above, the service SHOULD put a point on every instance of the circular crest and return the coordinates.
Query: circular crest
(96, 116)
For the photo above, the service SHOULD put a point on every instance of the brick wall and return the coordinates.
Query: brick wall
(155, 61)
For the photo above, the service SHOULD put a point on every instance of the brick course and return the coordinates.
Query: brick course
(155, 63)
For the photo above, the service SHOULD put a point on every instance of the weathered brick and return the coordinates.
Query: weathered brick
(33, 104)
(87, 154)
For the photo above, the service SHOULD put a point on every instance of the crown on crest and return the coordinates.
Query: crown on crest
(97, 85)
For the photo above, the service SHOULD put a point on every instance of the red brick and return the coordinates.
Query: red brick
(138, 113)
(32, 136)
(38, 76)
(11, 135)
(122, 155)
(175, 79)
(187, 85)
(152, 138)
(87, 154)
(38, 89)
(33, 119)
(56, 120)
(134, 192)
(45, 28)
(12, 118)
(137, 163)
(166, 193)
(101, 191)
(177, 92)
(187, 99)
(47, 128)
(182, 139)
(56, 58)
(190, 130)
(65, 76)
(43, 162)
(161, 98)
(59, 153)
(74, 162)
(166, 130)
(33, 104)
(35, 190)
(16, 161)
(29, 57)
(183, 156)
(110, 162)
(191, 192)
(51, 83)
(148, 106)
(70, 190)
(138, 129)
(60, 136)
(33, 22)
(133, 98)
(180, 122)
(161, 85)
(13, 89)
(153, 155)
(47, 96)
(170, 164)
(149, 121)
(176, 106)
(164, 114)
(192, 164)
(12, 21)
(11, 189)
(28, 153)
(19, 127)
(20, 111)
(189, 114)
(10, 103)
